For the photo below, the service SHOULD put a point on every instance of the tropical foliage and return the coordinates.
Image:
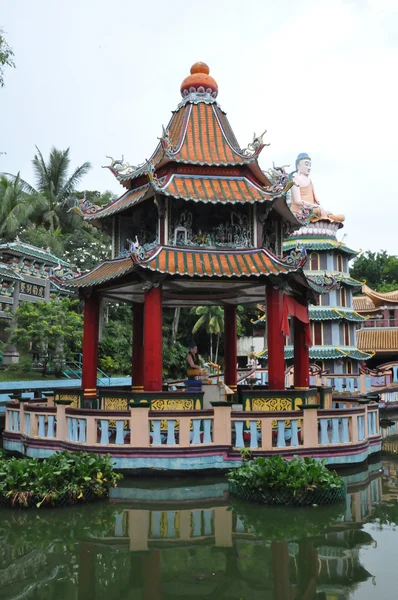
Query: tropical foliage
(6, 56)
(276, 478)
(378, 269)
(51, 330)
(63, 478)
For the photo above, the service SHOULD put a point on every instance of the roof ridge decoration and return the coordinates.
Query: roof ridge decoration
(198, 133)
(381, 296)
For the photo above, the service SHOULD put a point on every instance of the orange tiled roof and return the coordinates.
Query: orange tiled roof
(192, 263)
(380, 298)
(363, 304)
(215, 263)
(106, 271)
(371, 339)
(128, 199)
(214, 189)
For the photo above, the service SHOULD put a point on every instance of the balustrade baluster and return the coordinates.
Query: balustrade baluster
(294, 428)
(104, 431)
(253, 435)
(335, 431)
(119, 432)
(41, 429)
(156, 438)
(361, 427)
(281, 443)
(156, 517)
(75, 435)
(119, 524)
(171, 530)
(207, 521)
(171, 437)
(239, 442)
(348, 511)
(324, 431)
(69, 423)
(27, 423)
(50, 426)
(17, 420)
(196, 431)
(345, 435)
(196, 523)
(82, 430)
(207, 431)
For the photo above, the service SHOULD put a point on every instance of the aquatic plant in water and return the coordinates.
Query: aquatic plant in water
(275, 480)
(61, 479)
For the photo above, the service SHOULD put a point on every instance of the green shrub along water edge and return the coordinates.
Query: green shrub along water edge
(62, 479)
(296, 482)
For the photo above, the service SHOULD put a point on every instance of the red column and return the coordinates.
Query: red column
(301, 356)
(153, 340)
(276, 339)
(230, 350)
(90, 346)
(137, 364)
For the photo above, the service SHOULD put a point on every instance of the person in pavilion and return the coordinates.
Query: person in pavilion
(304, 199)
(193, 364)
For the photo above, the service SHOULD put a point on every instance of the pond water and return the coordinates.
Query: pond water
(179, 539)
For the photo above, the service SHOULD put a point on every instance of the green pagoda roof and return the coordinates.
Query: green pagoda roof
(317, 244)
(319, 277)
(21, 249)
(8, 273)
(324, 352)
(330, 313)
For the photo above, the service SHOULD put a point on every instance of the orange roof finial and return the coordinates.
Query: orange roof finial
(199, 81)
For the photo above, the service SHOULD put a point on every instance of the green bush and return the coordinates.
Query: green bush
(63, 478)
(279, 481)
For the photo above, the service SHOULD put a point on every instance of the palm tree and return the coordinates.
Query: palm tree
(16, 206)
(212, 319)
(54, 185)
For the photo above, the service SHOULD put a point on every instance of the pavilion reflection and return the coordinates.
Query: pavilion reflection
(146, 552)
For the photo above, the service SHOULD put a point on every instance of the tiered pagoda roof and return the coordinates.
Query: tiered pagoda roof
(197, 159)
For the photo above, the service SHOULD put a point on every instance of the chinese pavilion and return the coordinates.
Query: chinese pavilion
(198, 223)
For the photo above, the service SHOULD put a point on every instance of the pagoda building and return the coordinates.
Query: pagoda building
(334, 320)
(379, 332)
(199, 223)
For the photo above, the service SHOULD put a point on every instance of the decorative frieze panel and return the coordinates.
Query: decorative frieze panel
(210, 226)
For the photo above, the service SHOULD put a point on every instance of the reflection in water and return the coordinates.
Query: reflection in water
(194, 548)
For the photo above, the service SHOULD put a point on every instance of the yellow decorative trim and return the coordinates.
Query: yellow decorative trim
(260, 354)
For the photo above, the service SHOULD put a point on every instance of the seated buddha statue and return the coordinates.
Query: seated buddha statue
(304, 199)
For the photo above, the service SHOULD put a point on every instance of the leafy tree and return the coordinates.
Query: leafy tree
(16, 206)
(378, 269)
(211, 318)
(52, 329)
(115, 348)
(55, 186)
(6, 57)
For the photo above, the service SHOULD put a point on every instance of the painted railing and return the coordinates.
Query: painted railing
(139, 427)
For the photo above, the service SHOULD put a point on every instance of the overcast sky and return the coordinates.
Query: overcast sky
(101, 77)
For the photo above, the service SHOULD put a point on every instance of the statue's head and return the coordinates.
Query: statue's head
(303, 163)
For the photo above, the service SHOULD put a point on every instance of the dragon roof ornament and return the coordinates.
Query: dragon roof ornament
(256, 145)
